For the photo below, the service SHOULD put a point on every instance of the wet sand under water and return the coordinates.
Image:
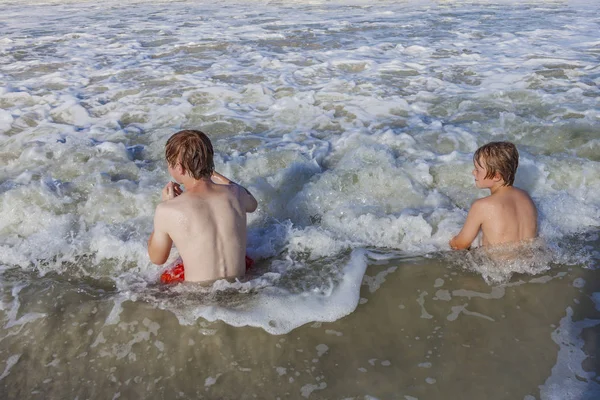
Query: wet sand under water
(422, 330)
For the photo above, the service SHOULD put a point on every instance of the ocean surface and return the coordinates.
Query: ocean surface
(354, 124)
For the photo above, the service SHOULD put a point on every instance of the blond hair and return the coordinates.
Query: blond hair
(500, 158)
(193, 150)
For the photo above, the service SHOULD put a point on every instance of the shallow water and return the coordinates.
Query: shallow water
(422, 330)
(354, 125)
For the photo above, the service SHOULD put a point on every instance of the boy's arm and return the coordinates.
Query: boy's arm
(160, 243)
(248, 201)
(219, 179)
(469, 231)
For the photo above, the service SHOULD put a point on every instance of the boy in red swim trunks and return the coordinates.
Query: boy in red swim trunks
(207, 221)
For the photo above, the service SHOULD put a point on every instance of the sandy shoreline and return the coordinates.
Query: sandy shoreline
(422, 329)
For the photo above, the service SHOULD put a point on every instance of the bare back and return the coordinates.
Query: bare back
(507, 216)
(208, 227)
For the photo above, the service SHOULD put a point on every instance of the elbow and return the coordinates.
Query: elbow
(252, 206)
(458, 245)
(157, 258)
(158, 261)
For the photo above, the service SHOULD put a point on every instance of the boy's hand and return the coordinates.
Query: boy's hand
(170, 191)
(219, 179)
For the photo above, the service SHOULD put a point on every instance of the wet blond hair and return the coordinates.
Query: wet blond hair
(498, 158)
(193, 150)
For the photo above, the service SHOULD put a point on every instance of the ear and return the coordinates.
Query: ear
(179, 169)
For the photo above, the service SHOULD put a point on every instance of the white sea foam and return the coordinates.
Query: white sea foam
(10, 362)
(272, 302)
(569, 379)
(353, 130)
(498, 264)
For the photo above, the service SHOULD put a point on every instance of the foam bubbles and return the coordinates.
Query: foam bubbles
(569, 378)
(10, 362)
(497, 264)
(6, 121)
(276, 302)
(347, 145)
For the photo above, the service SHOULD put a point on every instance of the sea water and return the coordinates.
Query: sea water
(352, 123)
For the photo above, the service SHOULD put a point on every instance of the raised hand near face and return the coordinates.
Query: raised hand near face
(170, 191)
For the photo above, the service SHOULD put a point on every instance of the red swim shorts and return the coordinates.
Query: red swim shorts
(173, 274)
(177, 273)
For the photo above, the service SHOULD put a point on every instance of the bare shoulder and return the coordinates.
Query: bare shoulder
(483, 204)
(162, 208)
(166, 210)
(485, 209)
(478, 210)
(244, 196)
(169, 205)
(230, 191)
(520, 197)
(523, 199)
(520, 193)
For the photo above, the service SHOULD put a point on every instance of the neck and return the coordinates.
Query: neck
(498, 187)
(192, 184)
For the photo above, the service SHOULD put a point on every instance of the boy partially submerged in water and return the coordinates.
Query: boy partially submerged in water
(207, 221)
(508, 215)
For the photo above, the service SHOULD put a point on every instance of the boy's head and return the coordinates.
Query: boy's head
(192, 150)
(499, 159)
